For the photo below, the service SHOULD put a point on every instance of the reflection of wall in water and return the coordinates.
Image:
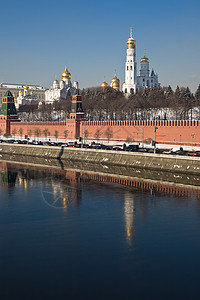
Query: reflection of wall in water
(8, 176)
(145, 185)
(74, 178)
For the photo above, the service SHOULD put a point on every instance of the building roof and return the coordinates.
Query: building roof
(8, 94)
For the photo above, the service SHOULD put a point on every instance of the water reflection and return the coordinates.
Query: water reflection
(77, 227)
(66, 185)
(129, 215)
(8, 177)
(61, 187)
(60, 190)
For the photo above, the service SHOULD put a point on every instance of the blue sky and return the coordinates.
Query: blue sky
(38, 38)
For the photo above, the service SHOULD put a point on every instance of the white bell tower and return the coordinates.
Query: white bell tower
(130, 84)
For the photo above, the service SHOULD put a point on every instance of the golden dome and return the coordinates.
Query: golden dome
(115, 84)
(131, 42)
(66, 74)
(144, 59)
(104, 84)
(26, 88)
(20, 92)
(115, 81)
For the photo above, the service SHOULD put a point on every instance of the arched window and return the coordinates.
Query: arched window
(125, 90)
(127, 67)
(131, 67)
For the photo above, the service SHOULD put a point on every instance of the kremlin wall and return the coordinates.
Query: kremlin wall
(184, 133)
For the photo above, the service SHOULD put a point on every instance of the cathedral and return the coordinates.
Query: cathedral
(60, 90)
(134, 82)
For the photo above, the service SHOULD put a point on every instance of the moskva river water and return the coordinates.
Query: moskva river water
(68, 234)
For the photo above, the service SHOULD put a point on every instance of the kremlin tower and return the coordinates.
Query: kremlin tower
(130, 83)
(8, 113)
(133, 82)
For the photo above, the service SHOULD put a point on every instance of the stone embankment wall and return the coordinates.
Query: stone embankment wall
(161, 162)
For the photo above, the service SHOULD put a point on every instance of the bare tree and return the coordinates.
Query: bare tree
(86, 133)
(129, 140)
(37, 132)
(109, 134)
(29, 131)
(45, 132)
(97, 134)
(14, 131)
(56, 134)
(21, 132)
(66, 132)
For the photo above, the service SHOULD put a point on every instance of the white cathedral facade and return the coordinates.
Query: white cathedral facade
(60, 90)
(145, 79)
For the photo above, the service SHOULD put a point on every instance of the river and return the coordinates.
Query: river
(69, 234)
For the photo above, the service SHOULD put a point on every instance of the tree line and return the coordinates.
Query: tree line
(102, 104)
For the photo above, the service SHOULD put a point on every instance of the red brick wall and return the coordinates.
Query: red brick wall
(28, 128)
(171, 132)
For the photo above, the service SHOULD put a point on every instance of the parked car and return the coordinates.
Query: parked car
(192, 153)
(151, 150)
(132, 148)
(142, 150)
(118, 148)
(168, 152)
(181, 152)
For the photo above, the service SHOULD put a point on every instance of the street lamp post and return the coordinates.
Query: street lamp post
(155, 128)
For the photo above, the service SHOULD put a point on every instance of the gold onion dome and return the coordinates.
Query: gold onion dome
(66, 74)
(144, 59)
(26, 87)
(131, 43)
(115, 81)
(104, 84)
(115, 84)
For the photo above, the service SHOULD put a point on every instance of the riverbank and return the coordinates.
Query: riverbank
(161, 162)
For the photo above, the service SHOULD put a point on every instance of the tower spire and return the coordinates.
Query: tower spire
(131, 32)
